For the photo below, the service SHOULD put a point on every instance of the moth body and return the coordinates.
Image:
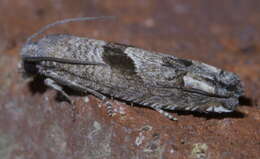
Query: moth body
(151, 79)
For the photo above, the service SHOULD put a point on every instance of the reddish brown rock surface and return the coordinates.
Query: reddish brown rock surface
(33, 124)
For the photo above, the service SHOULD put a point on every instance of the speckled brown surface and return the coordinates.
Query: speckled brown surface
(33, 124)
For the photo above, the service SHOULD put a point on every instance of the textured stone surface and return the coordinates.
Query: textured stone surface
(34, 124)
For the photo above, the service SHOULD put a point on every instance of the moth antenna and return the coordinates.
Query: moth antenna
(60, 60)
(48, 26)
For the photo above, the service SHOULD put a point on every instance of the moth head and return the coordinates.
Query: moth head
(28, 52)
(37, 54)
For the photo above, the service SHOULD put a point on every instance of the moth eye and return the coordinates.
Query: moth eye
(30, 68)
(190, 82)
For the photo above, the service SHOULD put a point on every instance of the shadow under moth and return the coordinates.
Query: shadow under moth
(106, 69)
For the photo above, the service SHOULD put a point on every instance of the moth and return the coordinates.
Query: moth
(107, 69)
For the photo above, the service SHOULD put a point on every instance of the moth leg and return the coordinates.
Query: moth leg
(108, 105)
(166, 114)
(52, 84)
(109, 108)
(95, 93)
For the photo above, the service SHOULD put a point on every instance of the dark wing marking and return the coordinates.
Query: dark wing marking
(115, 56)
(176, 62)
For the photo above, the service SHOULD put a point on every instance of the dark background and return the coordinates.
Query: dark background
(224, 33)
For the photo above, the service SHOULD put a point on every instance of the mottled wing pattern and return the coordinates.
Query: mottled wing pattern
(164, 81)
(147, 78)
